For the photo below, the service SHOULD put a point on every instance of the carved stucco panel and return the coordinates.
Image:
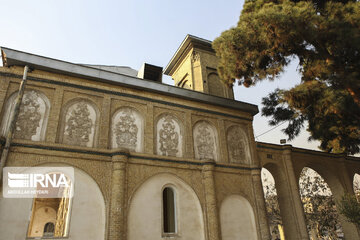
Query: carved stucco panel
(195, 56)
(32, 118)
(205, 141)
(169, 137)
(237, 145)
(80, 120)
(127, 130)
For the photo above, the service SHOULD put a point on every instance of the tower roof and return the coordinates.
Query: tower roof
(189, 42)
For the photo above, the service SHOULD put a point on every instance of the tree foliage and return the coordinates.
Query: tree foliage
(350, 208)
(321, 215)
(349, 204)
(271, 204)
(322, 218)
(324, 36)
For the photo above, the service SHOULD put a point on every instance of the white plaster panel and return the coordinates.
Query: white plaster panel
(145, 210)
(87, 220)
(14, 217)
(237, 219)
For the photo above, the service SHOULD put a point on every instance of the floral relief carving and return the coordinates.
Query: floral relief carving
(195, 56)
(236, 145)
(28, 120)
(79, 125)
(126, 130)
(205, 142)
(168, 137)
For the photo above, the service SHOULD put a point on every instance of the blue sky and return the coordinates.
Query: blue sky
(128, 33)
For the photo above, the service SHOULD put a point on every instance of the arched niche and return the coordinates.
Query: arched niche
(127, 129)
(169, 136)
(237, 219)
(205, 141)
(79, 123)
(145, 214)
(215, 85)
(49, 229)
(87, 211)
(238, 145)
(32, 118)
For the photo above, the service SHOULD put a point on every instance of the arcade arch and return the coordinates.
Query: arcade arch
(272, 205)
(322, 218)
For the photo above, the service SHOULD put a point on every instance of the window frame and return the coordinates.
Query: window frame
(176, 223)
(68, 221)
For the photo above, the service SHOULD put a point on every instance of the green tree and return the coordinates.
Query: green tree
(350, 208)
(349, 204)
(322, 218)
(271, 204)
(324, 36)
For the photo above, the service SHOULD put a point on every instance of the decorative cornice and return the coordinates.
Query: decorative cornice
(276, 147)
(125, 153)
(122, 94)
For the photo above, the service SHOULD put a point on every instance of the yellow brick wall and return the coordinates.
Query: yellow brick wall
(98, 161)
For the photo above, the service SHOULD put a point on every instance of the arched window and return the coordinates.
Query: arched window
(169, 212)
(49, 229)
